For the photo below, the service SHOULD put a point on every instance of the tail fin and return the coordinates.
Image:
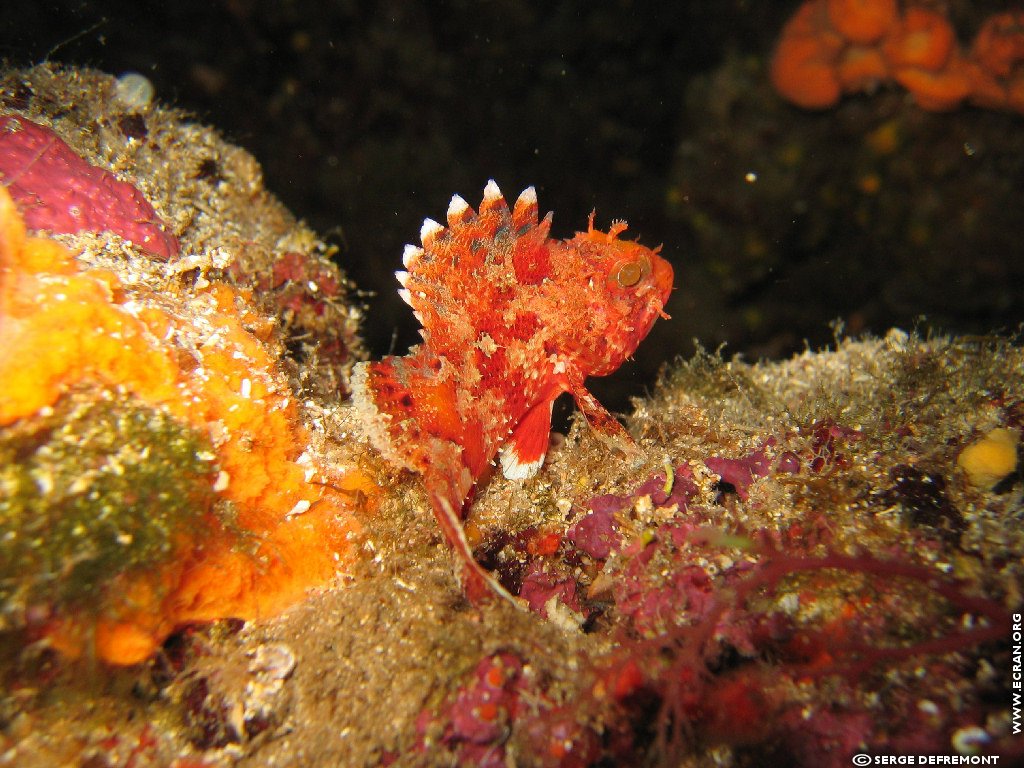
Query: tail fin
(411, 416)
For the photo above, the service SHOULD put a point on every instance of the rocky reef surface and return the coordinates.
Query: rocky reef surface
(806, 559)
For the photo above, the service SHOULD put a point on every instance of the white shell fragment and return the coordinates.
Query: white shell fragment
(135, 91)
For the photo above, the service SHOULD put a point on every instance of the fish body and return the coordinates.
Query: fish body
(510, 320)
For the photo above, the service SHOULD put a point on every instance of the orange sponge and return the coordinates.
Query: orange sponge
(831, 47)
(804, 65)
(862, 21)
(998, 53)
(922, 38)
(206, 362)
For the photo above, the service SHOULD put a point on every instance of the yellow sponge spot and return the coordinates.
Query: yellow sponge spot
(990, 458)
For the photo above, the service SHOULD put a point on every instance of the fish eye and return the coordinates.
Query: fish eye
(631, 272)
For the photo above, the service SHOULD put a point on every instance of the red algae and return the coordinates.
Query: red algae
(60, 192)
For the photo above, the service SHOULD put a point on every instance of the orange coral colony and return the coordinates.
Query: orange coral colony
(998, 52)
(803, 68)
(832, 47)
(65, 327)
(923, 38)
(862, 21)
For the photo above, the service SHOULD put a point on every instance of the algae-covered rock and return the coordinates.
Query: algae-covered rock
(794, 566)
(90, 491)
(208, 194)
(160, 313)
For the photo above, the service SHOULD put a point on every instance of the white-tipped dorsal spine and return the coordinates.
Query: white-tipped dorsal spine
(527, 197)
(491, 192)
(430, 231)
(524, 213)
(403, 278)
(411, 255)
(458, 210)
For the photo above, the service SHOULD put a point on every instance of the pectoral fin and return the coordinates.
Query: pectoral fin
(606, 426)
(524, 452)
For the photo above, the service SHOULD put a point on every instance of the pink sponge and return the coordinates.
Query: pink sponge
(59, 191)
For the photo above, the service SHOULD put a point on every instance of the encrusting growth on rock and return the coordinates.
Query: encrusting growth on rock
(61, 192)
(207, 372)
(990, 458)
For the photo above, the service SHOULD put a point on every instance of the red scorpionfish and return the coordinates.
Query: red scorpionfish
(511, 319)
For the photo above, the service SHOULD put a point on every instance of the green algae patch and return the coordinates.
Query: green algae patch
(90, 490)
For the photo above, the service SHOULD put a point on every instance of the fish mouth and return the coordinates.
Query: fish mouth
(663, 277)
(656, 292)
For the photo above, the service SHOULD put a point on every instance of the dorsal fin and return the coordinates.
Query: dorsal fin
(444, 275)
(524, 213)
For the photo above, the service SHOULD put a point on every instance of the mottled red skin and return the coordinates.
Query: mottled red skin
(511, 319)
(57, 190)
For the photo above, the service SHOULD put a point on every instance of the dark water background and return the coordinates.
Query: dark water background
(367, 116)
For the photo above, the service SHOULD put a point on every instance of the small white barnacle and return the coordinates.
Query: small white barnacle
(134, 90)
(222, 482)
(301, 507)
